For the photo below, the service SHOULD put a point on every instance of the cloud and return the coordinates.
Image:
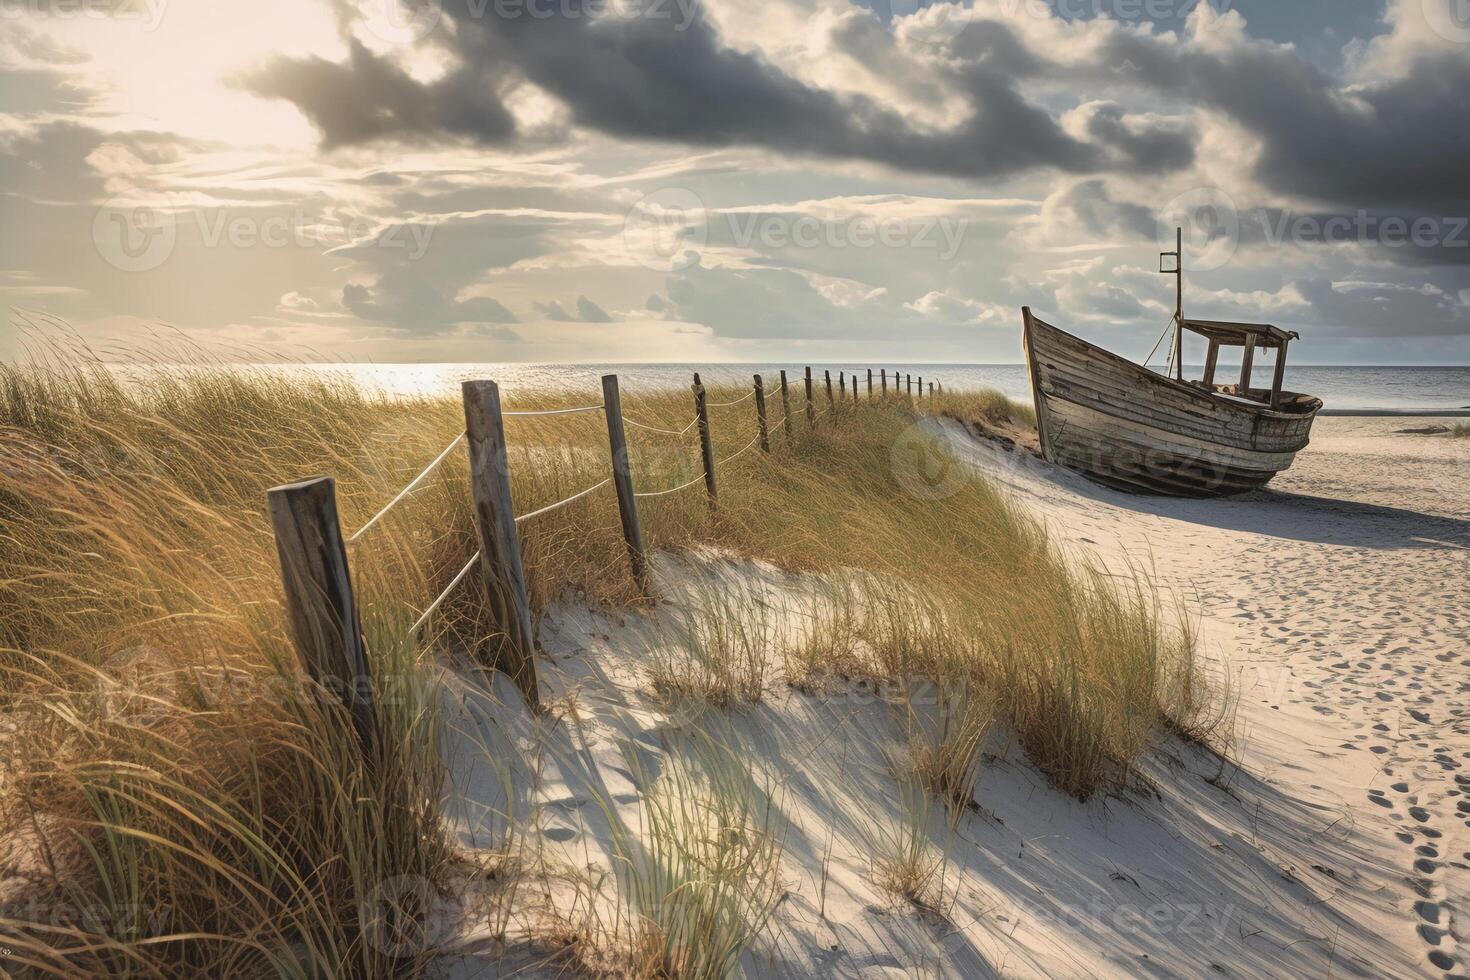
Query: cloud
(1390, 142)
(587, 312)
(590, 312)
(663, 79)
(407, 302)
(369, 98)
(555, 311)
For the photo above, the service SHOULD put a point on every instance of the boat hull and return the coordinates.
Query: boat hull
(1135, 430)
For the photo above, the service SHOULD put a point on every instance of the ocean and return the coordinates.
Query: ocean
(1419, 390)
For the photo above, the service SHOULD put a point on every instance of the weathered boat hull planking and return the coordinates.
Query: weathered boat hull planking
(1130, 428)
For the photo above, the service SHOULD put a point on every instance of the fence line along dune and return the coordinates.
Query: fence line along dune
(176, 800)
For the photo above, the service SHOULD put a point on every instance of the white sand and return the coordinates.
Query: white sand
(1338, 848)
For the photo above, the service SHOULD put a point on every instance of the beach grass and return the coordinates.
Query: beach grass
(163, 754)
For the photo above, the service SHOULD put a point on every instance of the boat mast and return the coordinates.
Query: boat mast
(1178, 273)
(1179, 304)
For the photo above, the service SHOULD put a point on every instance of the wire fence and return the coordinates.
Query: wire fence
(313, 551)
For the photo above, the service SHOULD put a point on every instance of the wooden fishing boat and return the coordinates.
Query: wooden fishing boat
(1137, 430)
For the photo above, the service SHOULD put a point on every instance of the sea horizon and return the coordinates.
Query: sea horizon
(1442, 390)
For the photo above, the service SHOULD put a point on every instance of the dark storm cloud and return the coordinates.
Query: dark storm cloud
(1400, 142)
(1150, 149)
(367, 98)
(1090, 203)
(648, 78)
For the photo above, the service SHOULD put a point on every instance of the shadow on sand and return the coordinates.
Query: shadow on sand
(1274, 513)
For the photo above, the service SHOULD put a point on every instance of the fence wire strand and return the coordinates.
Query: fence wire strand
(668, 432)
(665, 493)
(745, 397)
(741, 450)
(558, 411)
(562, 503)
(424, 616)
(408, 489)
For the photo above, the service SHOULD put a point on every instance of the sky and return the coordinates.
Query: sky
(731, 180)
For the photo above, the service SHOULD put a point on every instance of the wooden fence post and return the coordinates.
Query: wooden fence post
(811, 408)
(931, 389)
(617, 442)
(785, 408)
(760, 413)
(706, 444)
(319, 599)
(828, 375)
(500, 544)
(870, 384)
(921, 386)
(854, 387)
(883, 377)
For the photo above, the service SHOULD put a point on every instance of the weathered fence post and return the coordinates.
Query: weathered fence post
(931, 390)
(811, 408)
(706, 444)
(908, 384)
(319, 599)
(760, 413)
(617, 441)
(921, 386)
(500, 544)
(870, 384)
(828, 376)
(785, 408)
(883, 377)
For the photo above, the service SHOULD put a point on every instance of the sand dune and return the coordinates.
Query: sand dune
(1339, 599)
(1336, 847)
